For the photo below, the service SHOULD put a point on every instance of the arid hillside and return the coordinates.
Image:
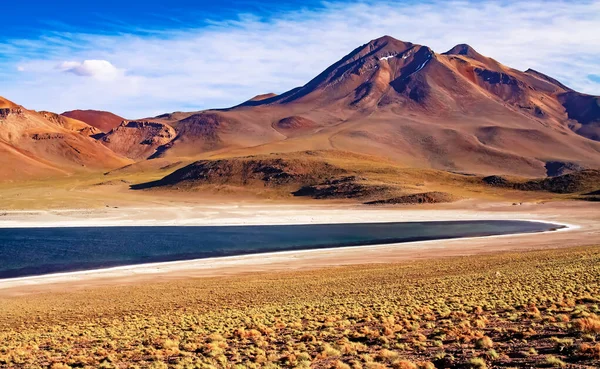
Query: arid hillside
(35, 145)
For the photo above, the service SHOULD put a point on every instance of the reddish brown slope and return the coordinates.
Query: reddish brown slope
(42, 144)
(138, 140)
(216, 131)
(103, 120)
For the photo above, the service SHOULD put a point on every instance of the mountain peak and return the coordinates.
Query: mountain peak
(382, 47)
(462, 49)
(387, 42)
(384, 38)
(471, 53)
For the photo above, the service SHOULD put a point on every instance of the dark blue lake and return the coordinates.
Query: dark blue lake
(36, 251)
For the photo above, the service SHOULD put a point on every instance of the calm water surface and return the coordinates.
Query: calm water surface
(36, 251)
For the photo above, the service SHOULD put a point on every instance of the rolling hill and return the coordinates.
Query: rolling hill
(103, 120)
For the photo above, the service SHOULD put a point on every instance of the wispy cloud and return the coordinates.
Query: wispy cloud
(221, 63)
(102, 70)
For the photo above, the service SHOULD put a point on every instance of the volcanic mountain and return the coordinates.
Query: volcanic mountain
(103, 120)
(37, 144)
(457, 111)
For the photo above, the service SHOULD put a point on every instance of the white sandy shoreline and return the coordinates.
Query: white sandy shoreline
(282, 260)
(231, 215)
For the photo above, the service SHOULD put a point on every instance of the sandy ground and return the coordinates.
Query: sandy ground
(583, 219)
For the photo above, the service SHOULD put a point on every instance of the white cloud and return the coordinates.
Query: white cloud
(230, 61)
(100, 69)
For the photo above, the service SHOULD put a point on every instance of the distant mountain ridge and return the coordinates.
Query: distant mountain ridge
(456, 111)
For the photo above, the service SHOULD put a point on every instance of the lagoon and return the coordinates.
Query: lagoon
(39, 251)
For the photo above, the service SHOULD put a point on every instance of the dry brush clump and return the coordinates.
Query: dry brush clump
(508, 310)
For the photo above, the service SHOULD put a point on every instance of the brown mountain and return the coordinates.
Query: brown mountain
(458, 111)
(36, 144)
(103, 120)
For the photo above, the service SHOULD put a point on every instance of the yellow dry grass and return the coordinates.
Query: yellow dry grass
(93, 190)
(504, 310)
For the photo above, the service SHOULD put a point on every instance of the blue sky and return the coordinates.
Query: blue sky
(113, 16)
(142, 58)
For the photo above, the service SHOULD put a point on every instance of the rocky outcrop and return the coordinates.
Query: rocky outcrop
(434, 197)
(47, 136)
(576, 182)
(138, 139)
(348, 187)
(5, 112)
(584, 111)
(558, 168)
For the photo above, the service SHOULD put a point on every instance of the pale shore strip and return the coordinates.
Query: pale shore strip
(223, 215)
(582, 221)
